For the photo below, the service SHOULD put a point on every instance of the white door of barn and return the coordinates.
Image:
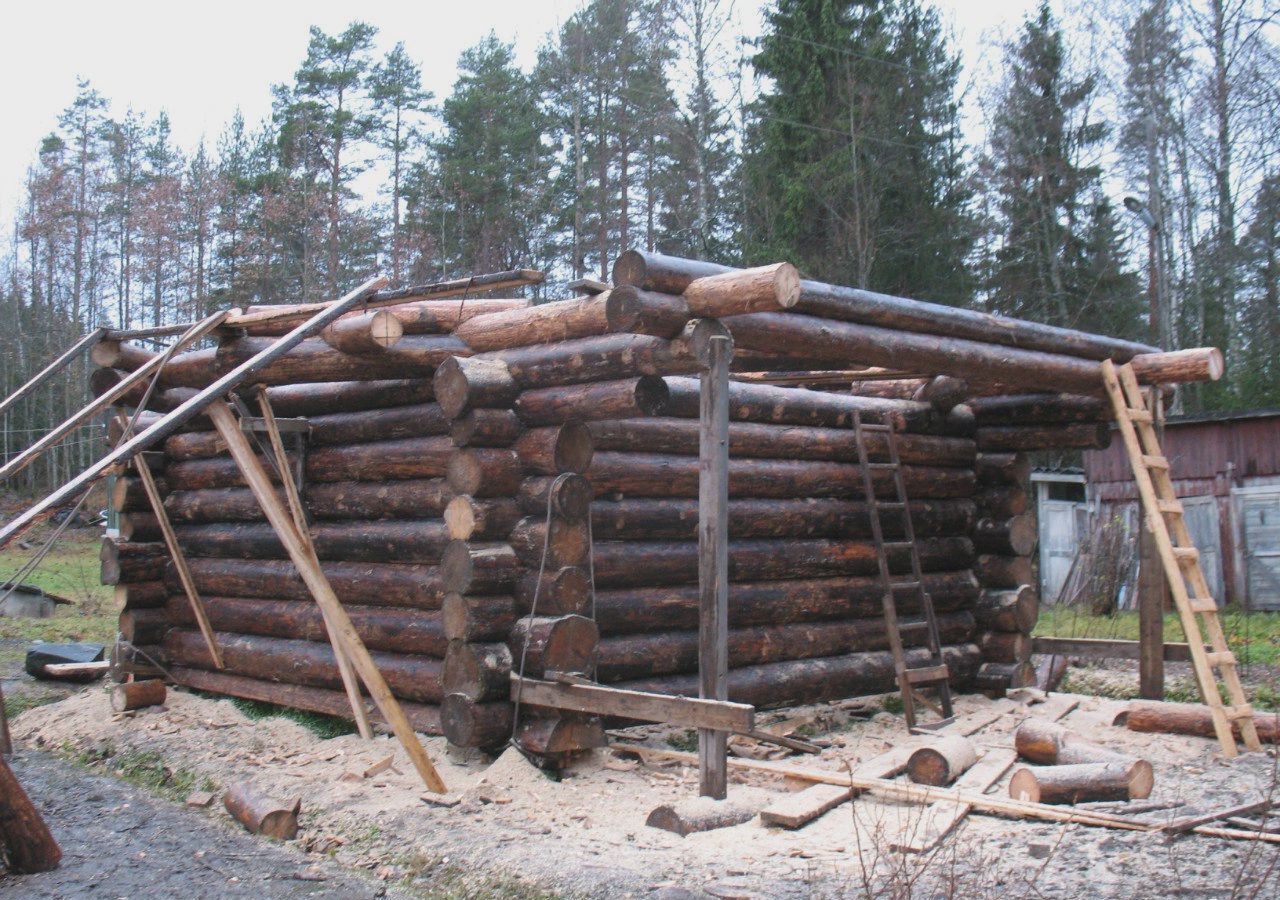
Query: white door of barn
(1062, 524)
(1259, 512)
(1203, 523)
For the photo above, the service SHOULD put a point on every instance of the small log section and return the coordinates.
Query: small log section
(28, 844)
(261, 814)
(1197, 610)
(1083, 782)
(138, 695)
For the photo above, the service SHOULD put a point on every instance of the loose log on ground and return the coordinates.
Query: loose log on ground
(1005, 646)
(812, 680)
(629, 398)
(559, 592)
(405, 541)
(676, 519)
(632, 610)
(619, 564)
(484, 472)
(1052, 744)
(137, 695)
(942, 761)
(468, 568)
(552, 450)
(487, 428)
(468, 723)
(395, 630)
(461, 384)
(1015, 609)
(1189, 718)
(1006, 572)
(698, 814)
(261, 814)
(372, 584)
(1009, 537)
(554, 644)
(658, 475)
(1084, 783)
(622, 658)
(1076, 436)
(478, 671)
(477, 619)
(753, 439)
(28, 844)
(302, 662)
(467, 517)
(566, 496)
(369, 332)
(545, 323)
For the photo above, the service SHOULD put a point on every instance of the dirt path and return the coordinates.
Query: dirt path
(119, 842)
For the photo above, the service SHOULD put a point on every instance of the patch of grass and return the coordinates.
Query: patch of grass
(430, 877)
(686, 740)
(1119, 686)
(322, 726)
(16, 704)
(1254, 637)
(892, 703)
(71, 570)
(144, 768)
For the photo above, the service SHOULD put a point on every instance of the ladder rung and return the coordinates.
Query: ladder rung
(887, 465)
(872, 427)
(1155, 462)
(1186, 554)
(897, 545)
(1220, 658)
(1140, 415)
(891, 504)
(905, 585)
(1203, 605)
(1169, 506)
(1244, 711)
(912, 625)
(927, 674)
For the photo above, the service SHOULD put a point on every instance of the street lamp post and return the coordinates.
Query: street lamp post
(1139, 209)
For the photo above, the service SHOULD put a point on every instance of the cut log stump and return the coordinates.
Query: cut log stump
(137, 695)
(943, 761)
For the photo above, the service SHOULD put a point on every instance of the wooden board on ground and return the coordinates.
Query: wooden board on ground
(938, 819)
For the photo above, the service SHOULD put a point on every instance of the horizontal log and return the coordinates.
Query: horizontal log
(762, 289)
(1015, 438)
(1087, 782)
(556, 449)
(1052, 744)
(1038, 409)
(996, 678)
(545, 323)
(1002, 501)
(124, 562)
(676, 519)
(1009, 537)
(143, 626)
(470, 383)
(633, 309)
(484, 472)
(478, 671)
(1189, 718)
(137, 695)
(567, 496)
(467, 517)
(605, 357)
(644, 396)
(1004, 646)
(545, 644)
(635, 705)
(477, 619)
(470, 568)
(262, 814)
(760, 440)
(373, 584)
(1009, 610)
(306, 663)
(486, 428)
(416, 356)
(405, 541)
(141, 595)
(942, 761)
(327, 398)
(423, 718)
(622, 658)
(620, 564)
(1104, 648)
(561, 545)
(657, 475)
(559, 592)
(1002, 469)
(813, 680)
(783, 602)
(338, 500)
(1004, 572)
(672, 275)
(1172, 367)
(396, 630)
(365, 332)
(419, 420)
(129, 496)
(139, 526)
(468, 723)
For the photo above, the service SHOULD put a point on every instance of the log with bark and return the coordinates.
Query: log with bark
(1189, 718)
(543, 644)
(1083, 783)
(478, 671)
(1052, 744)
(141, 595)
(137, 695)
(628, 398)
(1015, 609)
(337, 500)
(1016, 536)
(546, 323)
(405, 541)
(1021, 438)
(1004, 572)
(1002, 469)
(995, 678)
(260, 813)
(942, 761)
(469, 723)
(1003, 501)
(371, 584)
(1005, 646)
(695, 815)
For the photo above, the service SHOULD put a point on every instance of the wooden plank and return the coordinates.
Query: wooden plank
(40, 377)
(171, 422)
(308, 566)
(939, 819)
(497, 281)
(349, 681)
(691, 712)
(175, 551)
(713, 560)
(1189, 823)
(1104, 648)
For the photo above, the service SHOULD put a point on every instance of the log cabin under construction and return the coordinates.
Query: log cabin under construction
(498, 488)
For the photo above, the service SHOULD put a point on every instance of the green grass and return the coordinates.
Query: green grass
(686, 740)
(322, 726)
(430, 877)
(1253, 637)
(143, 768)
(71, 570)
(16, 704)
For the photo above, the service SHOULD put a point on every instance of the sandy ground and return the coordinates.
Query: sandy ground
(584, 835)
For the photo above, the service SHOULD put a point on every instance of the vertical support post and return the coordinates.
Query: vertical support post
(713, 560)
(6, 743)
(1153, 589)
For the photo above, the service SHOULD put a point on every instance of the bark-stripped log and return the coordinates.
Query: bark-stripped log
(606, 357)
(325, 398)
(1083, 783)
(559, 592)
(1051, 744)
(632, 610)
(1009, 610)
(1001, 501)
(123, 562)
(461, 384)
(420, 420)
(619, 564)
(1189, 718)
(395, 630)
(484, 472)
(1038, 409)
(469, 568)
(675, 519)
(137, 695)
(1005, 646)
(644, 396)
(546, 323)
(139, 527)
(338, 500)
(656, 475)
(638, 311)
(1004, 572)
(1002, 469)
(416, 356)
(478, 671)
(487, 428)
(261, 814)
(1010, 537)
(302, 662)
(373, 584)
(145, 626)
(129, 496)
(754, 439)
(141, 595)
(550, 451)
(417, 317)
(1194, 364)
(942, 761)
(369, 332)
(567, 496)
(762, 289)
(545, 644)
(467, 723)
(403, 540)
(477, 618)
(563, 544)
(467, 517)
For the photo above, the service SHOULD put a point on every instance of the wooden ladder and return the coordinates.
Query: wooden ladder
(1180, 559)
(910, 678)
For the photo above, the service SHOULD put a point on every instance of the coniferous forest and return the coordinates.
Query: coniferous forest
(844, 137)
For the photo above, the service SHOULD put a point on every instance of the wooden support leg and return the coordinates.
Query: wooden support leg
(6, 742)
(349, 682)
(26, 839)
(1151, 594)
(304, 558)
(713, 562)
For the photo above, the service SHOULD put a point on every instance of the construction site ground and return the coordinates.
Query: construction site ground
(515, 831)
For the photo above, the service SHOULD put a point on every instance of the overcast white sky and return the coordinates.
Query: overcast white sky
(202, 61)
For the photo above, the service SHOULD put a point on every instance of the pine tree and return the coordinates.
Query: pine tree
(1259, 379)
(126, 148)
